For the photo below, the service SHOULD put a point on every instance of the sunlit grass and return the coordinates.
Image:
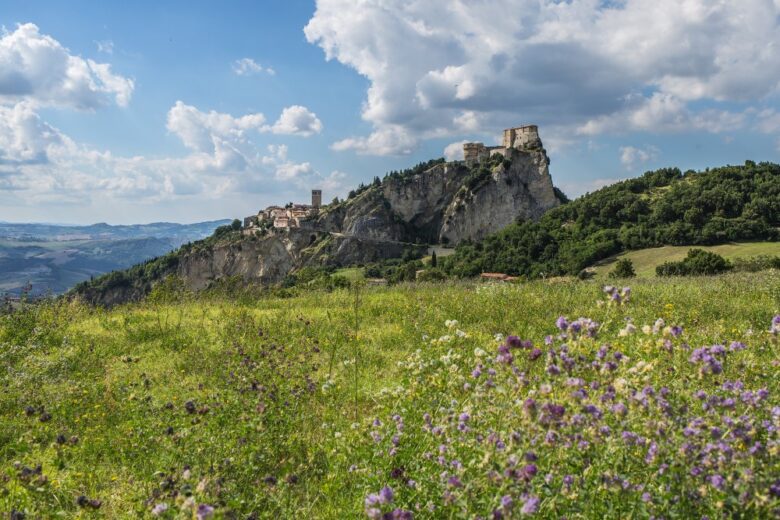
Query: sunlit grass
(267, 405)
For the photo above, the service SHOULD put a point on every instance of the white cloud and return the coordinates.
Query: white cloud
(454, 151)
(202, 132)
(579, 64)
(25, 138)
(297, 120)
(36, 68)
(631, 157)
(387, 140)
(249, 67)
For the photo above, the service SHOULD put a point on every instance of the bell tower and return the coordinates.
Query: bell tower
(316, 198)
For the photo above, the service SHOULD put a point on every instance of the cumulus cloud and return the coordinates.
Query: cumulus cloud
(249, 67)
(454, 151)
(36, 68)
(203, 131)
(631, 157)
(297, 120)
(581, 66)
(387, 140)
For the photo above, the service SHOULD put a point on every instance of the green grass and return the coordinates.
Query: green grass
(646, 260)
(350, 273)
(284, 393)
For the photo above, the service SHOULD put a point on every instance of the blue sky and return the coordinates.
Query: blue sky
(187, 111)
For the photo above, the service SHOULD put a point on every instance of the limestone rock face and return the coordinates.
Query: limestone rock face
(447, 203)
(523, 190)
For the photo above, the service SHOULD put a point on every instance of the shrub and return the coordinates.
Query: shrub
(624, 268)
(432, 275)
(698, 262)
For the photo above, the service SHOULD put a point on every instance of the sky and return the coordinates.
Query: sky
(185, 111)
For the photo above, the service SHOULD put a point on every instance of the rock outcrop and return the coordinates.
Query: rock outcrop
(442, 204)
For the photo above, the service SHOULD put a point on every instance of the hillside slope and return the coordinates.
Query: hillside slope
(664, 207)
(646, 260)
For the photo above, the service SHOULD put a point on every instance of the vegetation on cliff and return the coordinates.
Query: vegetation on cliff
(663, 207)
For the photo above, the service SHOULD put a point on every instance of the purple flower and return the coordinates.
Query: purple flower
(513, 342)
(562, 323)
(204, 511)
(717, 481)
(528, 471)
(530, 506)
(464, 417)
(535, 354)
(386, 495)
(507, 502)
(454, 482)
(775, 328)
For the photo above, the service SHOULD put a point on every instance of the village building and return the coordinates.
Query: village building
(292, 216)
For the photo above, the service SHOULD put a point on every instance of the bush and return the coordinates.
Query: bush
(698, 262)
(432, 275)
(624, 268)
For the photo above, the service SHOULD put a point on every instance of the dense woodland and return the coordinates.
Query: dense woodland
(662, 207)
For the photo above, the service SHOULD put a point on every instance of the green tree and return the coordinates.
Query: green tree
(624, 268)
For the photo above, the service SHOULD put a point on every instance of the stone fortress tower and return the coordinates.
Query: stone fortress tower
(519, 138)
(316, 198)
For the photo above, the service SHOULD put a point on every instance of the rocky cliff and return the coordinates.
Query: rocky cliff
(451, 202)
(435, 203)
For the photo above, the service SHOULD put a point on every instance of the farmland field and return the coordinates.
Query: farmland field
(455, 400)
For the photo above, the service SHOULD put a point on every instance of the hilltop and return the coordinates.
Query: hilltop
(397, 216)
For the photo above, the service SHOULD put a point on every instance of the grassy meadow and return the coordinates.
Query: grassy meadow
(646, 260)
(457, 400)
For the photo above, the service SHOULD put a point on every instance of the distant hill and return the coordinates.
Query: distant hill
(53, 258)
(663, 207)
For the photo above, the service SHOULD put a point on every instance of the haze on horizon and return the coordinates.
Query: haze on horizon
(193, 111)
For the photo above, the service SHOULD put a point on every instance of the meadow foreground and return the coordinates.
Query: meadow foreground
(425, 401)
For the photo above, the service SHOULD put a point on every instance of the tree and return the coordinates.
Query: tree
(434, 262)
(235, 225)
(624, 268)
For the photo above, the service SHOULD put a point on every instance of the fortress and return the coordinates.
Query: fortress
(519, 138)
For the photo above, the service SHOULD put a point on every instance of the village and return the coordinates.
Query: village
(290, 216)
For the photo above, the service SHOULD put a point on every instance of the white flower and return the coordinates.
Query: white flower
(478, 352)
(499, 337)
(451, 324)
(460, 333)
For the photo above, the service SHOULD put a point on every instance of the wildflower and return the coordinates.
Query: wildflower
(386, 495)
(775, 328)
(530, 506)
(204, 511)
(454, 482)
(562, 323)
(507, 502)
(717, 481)
(513, 342)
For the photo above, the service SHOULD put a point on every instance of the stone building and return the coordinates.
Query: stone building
(520, 138)
(316, 198)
